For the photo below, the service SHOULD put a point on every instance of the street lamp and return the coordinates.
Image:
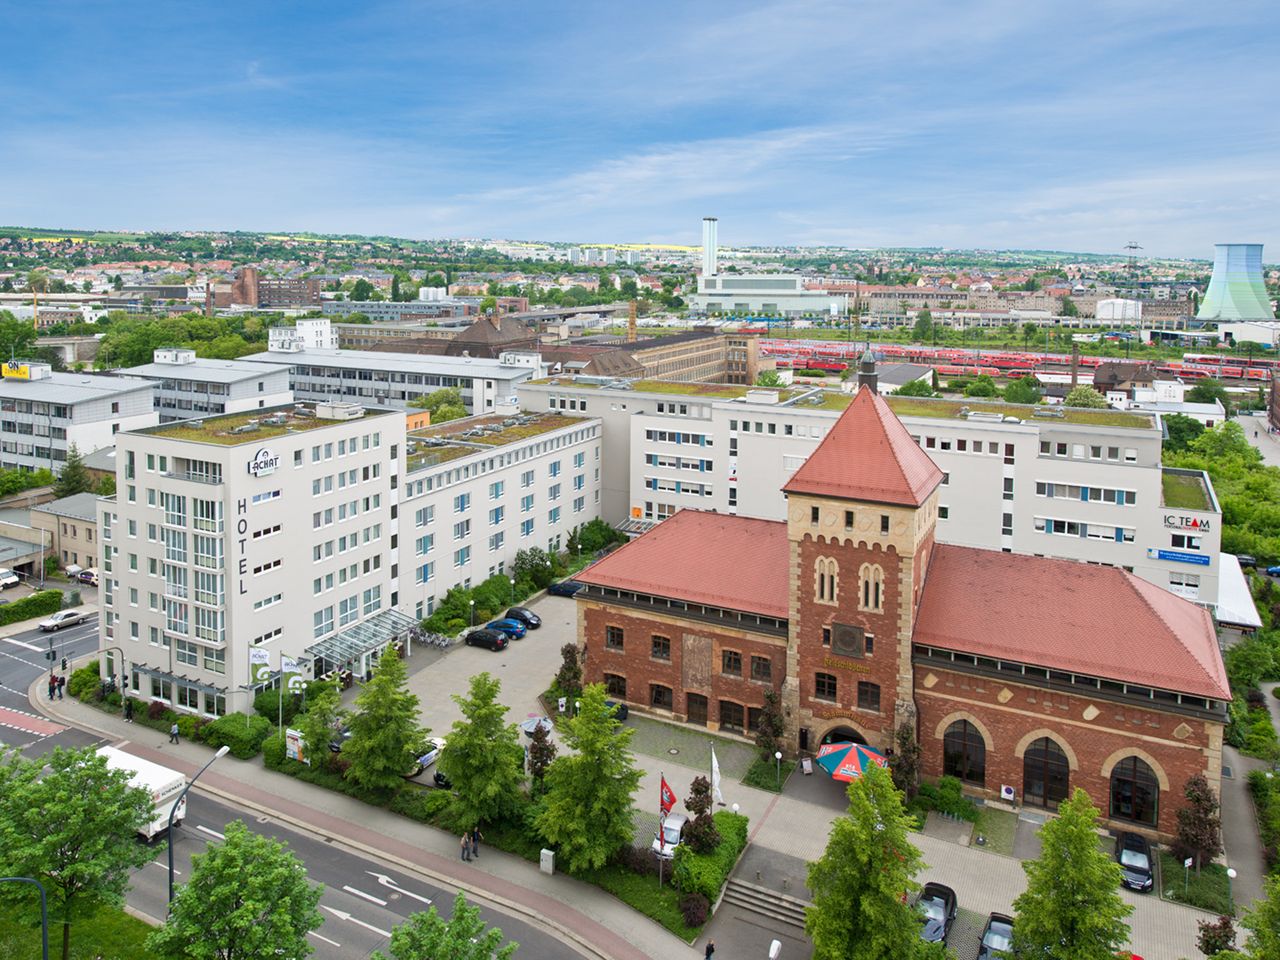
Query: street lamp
(778, 760)
(44, 912)
(473, 612)
(513, 590)
(735, 808)
(1231, 875)
(222, 752)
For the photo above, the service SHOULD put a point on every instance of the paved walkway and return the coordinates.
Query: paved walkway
(1267, 444)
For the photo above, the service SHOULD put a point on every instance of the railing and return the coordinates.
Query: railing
(194, 477)
(176, 590)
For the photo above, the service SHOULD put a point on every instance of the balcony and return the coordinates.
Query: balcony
(176, 590)
(213, 480)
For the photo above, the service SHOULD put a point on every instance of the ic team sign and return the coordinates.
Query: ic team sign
(264, 463)
(1173, 521)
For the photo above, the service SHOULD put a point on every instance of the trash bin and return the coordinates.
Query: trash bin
(548, 862)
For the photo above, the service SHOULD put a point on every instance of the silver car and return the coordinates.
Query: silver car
(671, 833)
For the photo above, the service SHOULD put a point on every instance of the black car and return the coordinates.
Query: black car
(566, 588)
(937, 906)
(997, 937)
(494, 640)
(441, 781)
(1133, 853)
(621, 713)
(530, 619)
(340, 737)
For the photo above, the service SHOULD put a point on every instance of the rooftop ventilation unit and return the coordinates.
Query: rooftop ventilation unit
(339, 411)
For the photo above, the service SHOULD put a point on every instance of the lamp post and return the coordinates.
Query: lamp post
(222, 752)
(473, 612)
(44, 911)
(513, 590)
(778, 761)
(1231, 875)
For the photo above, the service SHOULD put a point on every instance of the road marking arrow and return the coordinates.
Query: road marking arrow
(365, 896)
(343, 915)
(325, 939)
(212, 833)
(387, 882)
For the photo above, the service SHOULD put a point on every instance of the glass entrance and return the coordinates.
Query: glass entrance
(1046, 773)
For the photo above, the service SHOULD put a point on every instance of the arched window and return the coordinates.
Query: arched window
(871, 587)
(825, 571)
(964, 753)
(1046, 771)
(1135, 792)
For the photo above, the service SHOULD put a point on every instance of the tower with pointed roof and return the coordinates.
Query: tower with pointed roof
(861, 513)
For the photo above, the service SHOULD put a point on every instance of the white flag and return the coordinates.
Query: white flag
(715, 778)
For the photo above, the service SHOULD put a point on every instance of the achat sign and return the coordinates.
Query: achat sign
(264, 463)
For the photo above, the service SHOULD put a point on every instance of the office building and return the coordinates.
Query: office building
(1024, 677)
(233, 534)
(396, 311)
(72, 527)
(190, 387)
(250, 288)
(43, 413)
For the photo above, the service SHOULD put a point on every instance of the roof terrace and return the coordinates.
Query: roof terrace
(432, 446)
(235, 428)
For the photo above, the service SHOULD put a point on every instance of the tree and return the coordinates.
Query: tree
(1069, 308)
(17, 338)
(1199, 823)
(70, 822)
(248, 898)
(395, 286)
(542, 751)
(1262, 920)
(701, 835)
(923, 328)
(386, 737)
(533, 565)
(362, 289)
(1182, 430)
(1071, 909)
(587, 810)
(1029, 331)
(569, 677)
(915, 388)
(861, 882)
(1208, 391)
(484, 760)
(905, 762)
(445, 404)
(464, 936)
(489, 305)
(769, 735)
(320, 722)
(1083, 396)
(107, 485)
(74, 478)
(1216, 936)
(981, 386)
(769, 378)
(1023, 390)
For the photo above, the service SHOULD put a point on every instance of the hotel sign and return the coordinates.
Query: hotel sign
(264, 463)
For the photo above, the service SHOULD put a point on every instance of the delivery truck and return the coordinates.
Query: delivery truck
(164, 785)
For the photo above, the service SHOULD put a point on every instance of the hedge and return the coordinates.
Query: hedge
(243, 734)
(28, 608)
(706, 873)
(1266, 798)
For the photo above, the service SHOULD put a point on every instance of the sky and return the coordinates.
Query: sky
(993, 123)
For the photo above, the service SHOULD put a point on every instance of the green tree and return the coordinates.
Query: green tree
(320, 722)
(861, 882)
(533, 565)
(1023, 390)
(488, 304)
(769, 378)
(107, 485)
(71, 823)
(437, 280)
(915, 388)
(1182, 430)
(444, 404)
(74, 478)
(701, 833)
(587, 810)
(542, 751)
(981, 386)
(484, 760)
(923, 328)
(17, 338)
(1262, 920)
(1084, 396)
(569, 676)
(1029, 331)
(362, 289)
(386, 737)
(1207, 391)
(464, 936)
(1199, 823)
(395, 286)
(1071, 909)
(248, 898)
(1069, 308)
(1215, 936)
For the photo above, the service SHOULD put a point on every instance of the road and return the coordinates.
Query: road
(363, 899)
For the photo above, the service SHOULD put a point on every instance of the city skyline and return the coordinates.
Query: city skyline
(1067, 128)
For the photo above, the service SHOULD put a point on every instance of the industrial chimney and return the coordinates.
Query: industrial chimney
(1237, 290)
(709, 246)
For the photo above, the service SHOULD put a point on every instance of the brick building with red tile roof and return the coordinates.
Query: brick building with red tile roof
(1022, 676)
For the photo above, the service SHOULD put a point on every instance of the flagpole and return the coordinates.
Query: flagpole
(662, 780)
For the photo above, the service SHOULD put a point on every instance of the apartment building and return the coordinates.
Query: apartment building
(43, 413)
(189, 387)
(72, 525)
(1070, 484)
(231, 535)
(479, 490)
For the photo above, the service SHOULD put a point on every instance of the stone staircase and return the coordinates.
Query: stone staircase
(766, 902)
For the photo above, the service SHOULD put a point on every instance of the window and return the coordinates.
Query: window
(762, 669)
(1008, 488)
(660, 696)
(553, 516)
(848, 519)
(348, 610)
(731, 716)
(462, 529)
(270, 601)
(825, 571)
(526, 528)
(462, 557)
(1135, 792)
(871, 583)
(187, 652)
(526, 503)
(425, 573)
(461, 502)
(553, 469)
(496, 516)
(884, 523)
(824, 687)
(424, 516)
(372, 600)
(964, 753)
(868, 696)
(526, 479)
(496, 540)
(215, 659)
(1182, 541)
(660, 648)
(813, 515)
(826, 636)
(731, 663)
(615, 686)
(1046, 773)
(496, 489)
(944, 512)
(613, 638)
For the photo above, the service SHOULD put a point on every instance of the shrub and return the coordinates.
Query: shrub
(267, 704)
(947, 796)
(425, 806)
(273, 751)
(638, 860)
(694, 907)
(1255, 699)
(73, 598)
(158, 711)
(706, 873)
(243, 734)
(188, 726)
(28, 608)
(1266, 799)
(85, 678)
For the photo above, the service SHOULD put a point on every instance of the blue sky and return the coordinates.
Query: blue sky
(1042, 124)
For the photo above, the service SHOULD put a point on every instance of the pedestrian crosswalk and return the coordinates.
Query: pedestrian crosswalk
(28, 723)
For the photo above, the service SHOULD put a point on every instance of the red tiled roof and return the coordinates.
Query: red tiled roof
(738, 563)
(868, 455)
(1064, 615)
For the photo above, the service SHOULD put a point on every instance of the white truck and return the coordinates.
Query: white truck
(164, 785)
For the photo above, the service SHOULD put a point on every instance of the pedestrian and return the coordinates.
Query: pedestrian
(53, 686)
(62, 682)
(476, 837)
(711, 948)
(128, 710)
(173, 732)
(466, 847)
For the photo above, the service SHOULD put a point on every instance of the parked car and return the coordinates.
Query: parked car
(937, 906)
(672, 832)
(340, 737)
(1247, 561)
(997, 937)
(1133, 853)
(526, 616)
(89, 576)
(566, 588)
(621, 712)
(63, 618)
(8, 579)
(512, 628)
(441, 781)
(494, 640)
(1273, 571)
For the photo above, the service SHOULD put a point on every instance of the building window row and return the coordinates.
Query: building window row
(1090, 531)
(1086, 494)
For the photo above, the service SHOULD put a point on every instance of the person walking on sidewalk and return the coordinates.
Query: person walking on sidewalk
(173, 732)
(128, 710)
(62, 682)
(711, 949)
(53, 685)
(466, 846)
(476, 837)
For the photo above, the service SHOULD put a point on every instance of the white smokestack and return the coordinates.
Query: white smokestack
(709, 246)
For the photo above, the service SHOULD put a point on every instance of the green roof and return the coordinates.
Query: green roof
(222, 429)
(1185, 490)
(460, 438)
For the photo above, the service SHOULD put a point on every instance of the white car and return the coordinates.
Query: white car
(8, 579)
(434, 746)
(63, 618)
(672, 830)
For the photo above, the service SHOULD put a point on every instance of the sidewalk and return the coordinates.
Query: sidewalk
(596, 922)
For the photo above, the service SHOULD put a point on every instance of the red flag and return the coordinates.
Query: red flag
(666, 798)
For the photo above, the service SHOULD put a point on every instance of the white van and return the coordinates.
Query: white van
(163, 784)
(8, 579)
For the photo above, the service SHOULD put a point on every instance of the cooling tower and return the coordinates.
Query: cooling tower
(709, 246)
(1236, 290)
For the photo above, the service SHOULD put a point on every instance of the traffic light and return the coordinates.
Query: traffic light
(51, 654)
(64, 664)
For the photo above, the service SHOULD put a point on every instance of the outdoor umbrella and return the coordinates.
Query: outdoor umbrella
(848, 761)
(533, 723)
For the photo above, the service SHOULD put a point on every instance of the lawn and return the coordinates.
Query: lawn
(1184, 492)
(998, 828)
(107, 934)
(643, 895)
(1209, 890)
(764, 775)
